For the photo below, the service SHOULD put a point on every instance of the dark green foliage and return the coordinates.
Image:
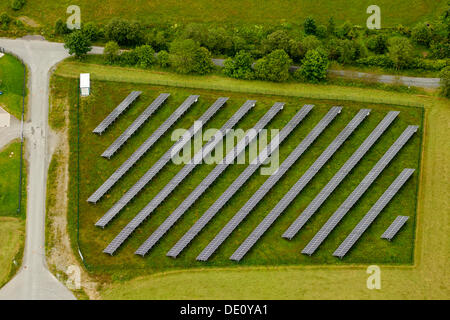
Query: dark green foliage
(377, 43)
(331, 27)
(77, 43)
(92, 31)
(274, 66)
(128, 58)
(344, 31)
(277, 40)
(240, 67)
(5, 20)
(17, 4)
(382, 61)
(163, 59)
(124, 32)
(346, 51)
(314, 67)
(445, 82)
(310, 26)
(321, 32)
(145, 56)
(61, 28)
(422, 33)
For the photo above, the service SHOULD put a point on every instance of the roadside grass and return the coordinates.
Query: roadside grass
(271, 250)
(9, 181)
(232, 12)
(12, 232)
(11, 83)
(428, 278)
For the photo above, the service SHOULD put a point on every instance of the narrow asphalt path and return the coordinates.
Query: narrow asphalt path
(34, 280)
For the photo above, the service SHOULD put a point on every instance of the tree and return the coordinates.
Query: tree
(274, 66)
(240, 67)
(422, 34)
(377, 43)
(445, 82)
(163, 58)
(92, 31)
(314, 67)
(111, 52)
(17, 4)
(331, 27)
(77, 43)
(61, 28)
(145, 55)
(310, 26)
(186, 56)
(5, 20)
(401, 52)
(124, 32)
(276, 40)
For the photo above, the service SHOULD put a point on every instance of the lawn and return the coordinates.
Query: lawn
(12, 231)
(271, 250)
(11, 83)
(259, 12)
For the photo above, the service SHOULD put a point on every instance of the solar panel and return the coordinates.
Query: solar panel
(299, 185)
(295, 227)
(117, 112)
(372, 214)
(258, 195)
(234, 187)
(212, 176)
(139, 122)
(180, 176)
(393, 229)
(175, 149)
(131, 161)
(359, 191)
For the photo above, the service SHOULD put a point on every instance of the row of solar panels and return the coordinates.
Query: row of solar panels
(206, 150)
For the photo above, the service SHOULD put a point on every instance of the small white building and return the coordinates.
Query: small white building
(5, 118)
(85, 84)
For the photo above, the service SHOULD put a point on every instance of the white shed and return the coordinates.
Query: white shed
(5, 118)
(85, 84)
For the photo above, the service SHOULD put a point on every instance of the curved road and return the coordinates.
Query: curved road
(34, 281)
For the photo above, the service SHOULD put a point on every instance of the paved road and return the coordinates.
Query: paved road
(426, 83)
(33, 280)
(9, 134)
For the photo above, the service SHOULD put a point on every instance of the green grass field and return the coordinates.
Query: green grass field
(11, 83)
(12, 231)
(271, 250)
(231, 11)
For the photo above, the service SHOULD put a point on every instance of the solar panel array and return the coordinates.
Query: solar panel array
(117, 175)
(299, 186)
(245, 210)
(117, 112)
(393, 229)
(175, 149)
(370, 216)
(295, 227)
(212, 176)
(180, 176)
(139, 122)
(359, 191)
(234, 187)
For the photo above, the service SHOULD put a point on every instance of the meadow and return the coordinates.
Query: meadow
(11, 84)
(271, 250)
(231, 12)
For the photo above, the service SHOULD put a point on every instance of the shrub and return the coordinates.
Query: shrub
(157, 39)
(77, 43)
(128, 58)
(440, 50)
(445, 82)
(219, 40)
(145, 55)
(314, 67)
(124, 32)
(274, 66)
(186, 56)
(428, 64)
(276, 40)
(240, 67)
(17, 4)
(61, 28)
(343, 31)
(401, 52)
(310, 26)
(377, 44)
(321, 31)
(5, 20)
(331, 27)
(421, 34)
(92, 31)
(163, 58)
(111, 52)
(382, 61)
